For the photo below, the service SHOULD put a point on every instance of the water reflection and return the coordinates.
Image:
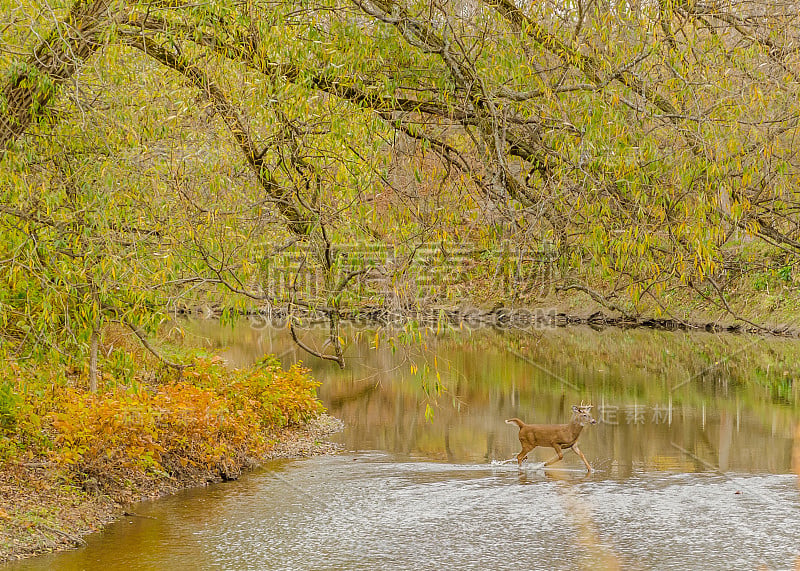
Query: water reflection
(718, 420)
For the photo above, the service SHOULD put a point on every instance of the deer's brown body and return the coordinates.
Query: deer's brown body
(556, 436)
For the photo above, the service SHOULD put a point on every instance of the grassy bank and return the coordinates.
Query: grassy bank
(70, 459)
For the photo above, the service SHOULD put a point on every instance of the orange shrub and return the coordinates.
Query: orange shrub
(211, 420)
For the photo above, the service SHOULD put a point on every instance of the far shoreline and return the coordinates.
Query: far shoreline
(590, 314)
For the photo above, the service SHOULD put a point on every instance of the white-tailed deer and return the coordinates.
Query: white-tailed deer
(557, 436)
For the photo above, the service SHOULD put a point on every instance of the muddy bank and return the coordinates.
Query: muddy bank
(593, 315)
(41, 510)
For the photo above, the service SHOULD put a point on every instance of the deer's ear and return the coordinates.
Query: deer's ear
(575, 409)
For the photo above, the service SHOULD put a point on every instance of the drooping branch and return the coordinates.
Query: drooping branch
(338, 358)
(238, 51)
(280, 196)
(588, 65)
(492, 120)
(776, 52)
(468, 107)
(147, 345)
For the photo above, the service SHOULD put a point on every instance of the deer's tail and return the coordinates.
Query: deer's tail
(516, 421)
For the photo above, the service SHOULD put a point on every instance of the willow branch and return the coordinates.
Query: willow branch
(27, 92)
(146, 344)
(338, 358)
(280, 196)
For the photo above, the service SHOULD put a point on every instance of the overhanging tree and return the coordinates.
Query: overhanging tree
(648, 141)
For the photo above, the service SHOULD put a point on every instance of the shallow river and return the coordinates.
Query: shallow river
(692, 458)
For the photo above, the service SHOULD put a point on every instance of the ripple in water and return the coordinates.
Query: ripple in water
(373, 512)
(367, 513)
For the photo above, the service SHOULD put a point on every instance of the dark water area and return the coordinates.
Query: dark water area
(692, 455)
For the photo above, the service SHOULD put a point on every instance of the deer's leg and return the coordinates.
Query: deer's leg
(585, 461)
(557, 448)
(524, 452)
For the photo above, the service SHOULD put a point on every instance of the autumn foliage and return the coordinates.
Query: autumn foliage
(208, 423)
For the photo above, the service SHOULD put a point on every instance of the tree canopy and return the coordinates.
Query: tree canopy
(154, 151)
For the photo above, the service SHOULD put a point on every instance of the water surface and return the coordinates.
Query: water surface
(692, 462)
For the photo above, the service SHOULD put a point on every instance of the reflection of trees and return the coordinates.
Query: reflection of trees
(382, 402)
(390, 418)
(491, 389)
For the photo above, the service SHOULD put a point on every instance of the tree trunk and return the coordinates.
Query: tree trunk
(95, 341)
(29, 89)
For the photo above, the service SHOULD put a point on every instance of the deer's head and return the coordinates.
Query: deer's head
(582, 414)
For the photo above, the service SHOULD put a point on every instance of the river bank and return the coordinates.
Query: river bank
(578, 312)
(72, 458)
(42, 511)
